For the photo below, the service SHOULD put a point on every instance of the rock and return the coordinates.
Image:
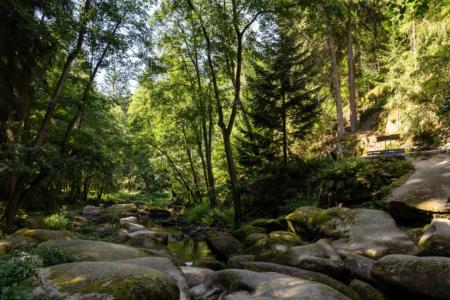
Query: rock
(195, 276)
(425, 276)
(87, 250)
(132, 227)
(169, 222)
(222, 244)
(105, 280)
(243, 284)
(159, 213)
(151, 246)
(436, 239)
(209, 263)
(161, 237)
(90, 210)
(278, 224)
(254, 238)
(318, 257)
(274, 245)
(126, 220)
(365, 290)
(103, 230)
(14, 242)
(236, 262)
(122, 210)
(242, 233)
(165, 266)
(122, 235)
(373, 233)
(42, 235)
(303, 221)
(300, 273)
(358, 265)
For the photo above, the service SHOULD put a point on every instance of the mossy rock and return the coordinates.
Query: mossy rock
(242, 233)
(270, 224)
(106, 280)
(43, 235)
(222, 244)
(335, 221)
(122, 210)
(274, 245)
(87, 250)
(254, 238)
(14, 242)
(304, 221)
(435, 240)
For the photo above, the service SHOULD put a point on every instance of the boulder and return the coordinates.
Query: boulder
(13, 242)
(372, 233)
(300, 273)
(254, 238)
(243, 232)
(209, 263)
(358, 265)
(103, 230)
(237, 262)
(122, 210)
(436, 239)
(365, 290)
(222, 244)
(105, 280)
(319, 257)
(90, 210)
(403, 274)
(271, 224)
(304, 221)
(132, 227)
(274, 245)
(161, 237)
(42, 235)
(126, 220)
(87, 250)
(243, 284)
(195, 276)
(165, 266)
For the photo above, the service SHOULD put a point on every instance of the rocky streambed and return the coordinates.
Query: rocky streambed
(312, 253)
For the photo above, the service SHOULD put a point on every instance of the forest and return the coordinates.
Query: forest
(224, 149)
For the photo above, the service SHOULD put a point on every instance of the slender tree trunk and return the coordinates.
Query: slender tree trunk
(336, 83)
(18, 196)
(283, 116)
(351, 76)
(198, 195)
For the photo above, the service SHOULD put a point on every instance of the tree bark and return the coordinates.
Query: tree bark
(283, 116)
(351, 75)
(336, 83)
(198, 193)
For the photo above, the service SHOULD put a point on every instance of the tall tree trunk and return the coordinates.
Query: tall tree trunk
(336, 83)
(351, 75)
(283, 116)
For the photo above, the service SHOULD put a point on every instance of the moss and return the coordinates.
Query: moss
(243, 232)
(303, 221)
(149, 285)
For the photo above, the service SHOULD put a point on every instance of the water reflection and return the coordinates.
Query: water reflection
(183, 246)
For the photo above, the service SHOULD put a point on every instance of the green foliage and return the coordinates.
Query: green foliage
(217, 216)
(16, 273)
(51, 256)
(58, 220)
(352, 181)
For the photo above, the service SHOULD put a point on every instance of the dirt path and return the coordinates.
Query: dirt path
(428, 188)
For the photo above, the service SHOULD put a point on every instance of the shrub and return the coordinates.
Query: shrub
(51, 256)
(197, 213)
(58, 220)
(220, 217)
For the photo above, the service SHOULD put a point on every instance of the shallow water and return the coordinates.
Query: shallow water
(186, 249)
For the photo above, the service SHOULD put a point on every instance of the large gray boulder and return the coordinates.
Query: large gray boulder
(90, 210)
(243, 284)
(122, 210)
(373, 233)
(302, 274)
(87, 250)
(358, 265)
(165, 266)
(365, 290)
(425, 276)
(436, 239)
(161, 237)
(195, 276)
(105, 280)
(222, 244)
(319, 257)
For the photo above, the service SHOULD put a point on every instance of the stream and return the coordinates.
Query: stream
(185, 248)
